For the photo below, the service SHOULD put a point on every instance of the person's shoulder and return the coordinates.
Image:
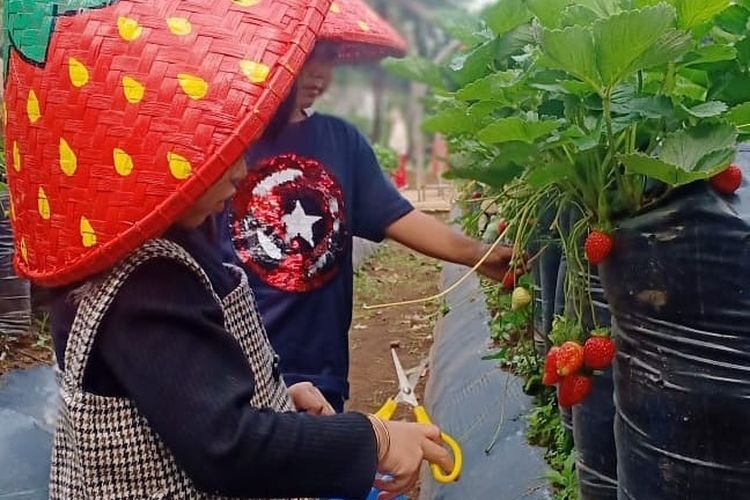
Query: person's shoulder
(337, 124)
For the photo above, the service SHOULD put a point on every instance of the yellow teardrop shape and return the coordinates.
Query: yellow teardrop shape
(32, 107)
(335, 8)
(43, 205)
(68, 159)
(16, 157)
(24, 251)
(363, 26)
(88, 235)
(133, 89)
(255, 72)
(12, 209)
(129, 28)
(79, 75)
(123, 162)
(5, 114)
(194, 86)
(179, 26)
(247, 3)
(179, 166)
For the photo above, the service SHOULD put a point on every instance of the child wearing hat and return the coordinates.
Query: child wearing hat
(309, 190)
(126, 125)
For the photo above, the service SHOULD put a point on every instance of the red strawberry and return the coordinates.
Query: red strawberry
(551, 376)
(509, 280)
(569, 358)
(573, 390)
(728, 181)
(598, 247)
(502, 225)
(598, 352)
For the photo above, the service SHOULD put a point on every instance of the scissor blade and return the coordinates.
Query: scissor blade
(416, 373)
(403, 380)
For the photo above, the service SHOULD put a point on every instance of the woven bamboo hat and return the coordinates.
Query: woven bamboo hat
(360, 34)
(120, 113)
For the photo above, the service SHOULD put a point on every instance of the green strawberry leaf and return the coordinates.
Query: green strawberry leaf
(507, 166)
(707, 109)
(516, 129)
(29, 24)
(549, 173)
(489, 87)
(416, 69)
(740, 117)
(463, 26)
(506, 15)
(688, 155)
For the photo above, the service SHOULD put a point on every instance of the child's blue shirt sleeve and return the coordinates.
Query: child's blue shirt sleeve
(377, 202)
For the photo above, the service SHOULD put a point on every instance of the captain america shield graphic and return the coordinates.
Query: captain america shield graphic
(288, 223)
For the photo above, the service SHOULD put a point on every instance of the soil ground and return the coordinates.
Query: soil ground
(25, 351)
(393, 274)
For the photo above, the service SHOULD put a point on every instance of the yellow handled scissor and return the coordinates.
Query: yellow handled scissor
(406, 395)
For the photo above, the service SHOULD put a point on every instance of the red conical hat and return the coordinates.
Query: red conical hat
(120, 113)
(362, 35)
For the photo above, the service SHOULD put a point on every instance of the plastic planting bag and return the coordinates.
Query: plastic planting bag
(678, 285)
(15, 304)
(545, 271)
(593, 422)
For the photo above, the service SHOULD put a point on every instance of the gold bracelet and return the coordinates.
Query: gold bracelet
(382, 436)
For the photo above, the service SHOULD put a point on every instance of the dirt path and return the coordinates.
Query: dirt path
(25, 351)
(394, 273)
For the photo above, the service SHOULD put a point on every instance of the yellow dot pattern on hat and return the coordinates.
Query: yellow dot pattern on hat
(68, 159)
(5, 114)
(88, 235)
(179, 166)
(247, 3)
(194, 86)
(16, 157)
(179, 26)
(43, 204)
(133, 89)
(123, 162)
(363, 26)
(335, 8)
(79, 75)
(24, 251)
(255, 72)
(129, 28)
(32, 107)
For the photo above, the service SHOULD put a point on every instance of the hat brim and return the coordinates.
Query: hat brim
(361, 34)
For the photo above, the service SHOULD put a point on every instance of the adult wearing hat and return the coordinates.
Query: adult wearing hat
(310, 189)
(126, 122)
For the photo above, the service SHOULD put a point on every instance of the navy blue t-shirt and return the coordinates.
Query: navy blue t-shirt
(291, 226)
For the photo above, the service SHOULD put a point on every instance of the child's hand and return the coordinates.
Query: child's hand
(306, 397)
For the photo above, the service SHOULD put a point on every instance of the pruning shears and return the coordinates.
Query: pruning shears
(406, 395)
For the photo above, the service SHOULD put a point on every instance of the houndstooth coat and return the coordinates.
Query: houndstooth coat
(104, 448)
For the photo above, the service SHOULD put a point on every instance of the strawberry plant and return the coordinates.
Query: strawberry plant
(601, 109)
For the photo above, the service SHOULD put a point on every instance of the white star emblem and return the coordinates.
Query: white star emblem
(298, 223)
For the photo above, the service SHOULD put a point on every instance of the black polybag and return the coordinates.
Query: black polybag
(593, 419)
(678, 285)
(545, 270)
(15, 315)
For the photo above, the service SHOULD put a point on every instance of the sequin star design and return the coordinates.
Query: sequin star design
(298, 223)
